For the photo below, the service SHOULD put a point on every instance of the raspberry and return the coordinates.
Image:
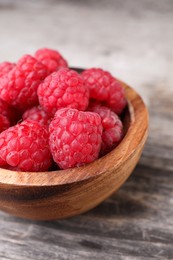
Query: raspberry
(52, 59)
(75, 137)
(5, 67)
(11, 168)
(112, 127)
(4, 123)
(37, 114)
(104, 87)
(26, 147)
(10, 112)
(19, 86)
(63, 88)
(2, 162)
(6, 110)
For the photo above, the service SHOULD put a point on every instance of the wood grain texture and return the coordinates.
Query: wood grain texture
(135, 223)
(59, 194)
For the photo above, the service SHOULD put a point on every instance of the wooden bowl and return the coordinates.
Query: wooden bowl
(65, 193)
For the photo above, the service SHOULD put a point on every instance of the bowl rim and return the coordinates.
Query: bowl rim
(138, 124)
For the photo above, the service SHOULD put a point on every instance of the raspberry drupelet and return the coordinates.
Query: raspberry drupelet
(63, 88)
(112, 127)
(5, 67)
(4, 123)
(6, 110)
(9, 112)
(19, 86)
(52, 59)
(26, 146)
(75, 137)
(104, 87)
(2, 163)
(37, 114)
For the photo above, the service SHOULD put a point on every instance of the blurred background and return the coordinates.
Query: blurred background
(132, 39)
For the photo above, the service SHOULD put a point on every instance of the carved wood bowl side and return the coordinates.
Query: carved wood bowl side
(65, 193)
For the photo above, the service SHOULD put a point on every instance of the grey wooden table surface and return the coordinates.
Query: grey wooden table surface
(132, 39)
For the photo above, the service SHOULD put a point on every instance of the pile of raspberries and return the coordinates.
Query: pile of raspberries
(52, 115)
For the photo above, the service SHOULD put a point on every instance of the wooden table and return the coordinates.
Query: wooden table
(132, 39)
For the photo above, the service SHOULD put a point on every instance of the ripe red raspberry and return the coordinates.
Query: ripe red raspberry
(112, 127)
(19, 86)
(2, 162)
(37, 114)
(6, 110)
(11, 168)
(75, 137)
(63, 88)
(52, 59)
(104, 87)
(5, 67)
(4, 123)
(26, 146)
(10, 112)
